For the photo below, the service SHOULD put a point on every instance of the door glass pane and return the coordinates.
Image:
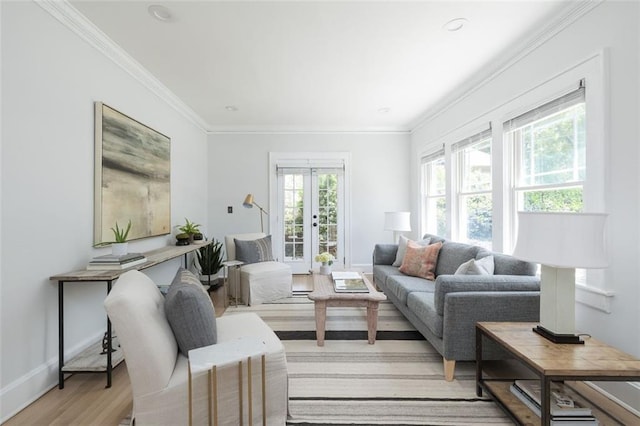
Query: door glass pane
(328, 213)
(293, 217)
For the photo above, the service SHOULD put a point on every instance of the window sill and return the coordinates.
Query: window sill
(594, 297)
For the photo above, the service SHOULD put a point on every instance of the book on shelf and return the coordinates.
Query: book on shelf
(563, 408)
(117, 259)
(350, 285)
(106, 266)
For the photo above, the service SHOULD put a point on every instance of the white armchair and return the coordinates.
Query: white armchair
(260, 282)
(159, 373)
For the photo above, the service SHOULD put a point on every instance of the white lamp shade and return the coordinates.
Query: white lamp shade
(397, 221)
(562, 240)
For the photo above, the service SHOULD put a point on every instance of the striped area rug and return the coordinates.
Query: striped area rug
(293, 319)
(397, 381)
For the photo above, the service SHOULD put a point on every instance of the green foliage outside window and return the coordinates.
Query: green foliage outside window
(562, 200)
(480, 218)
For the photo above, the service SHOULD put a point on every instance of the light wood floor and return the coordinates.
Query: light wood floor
(86, 401)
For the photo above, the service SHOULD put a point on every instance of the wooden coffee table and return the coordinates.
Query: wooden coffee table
(324, 296)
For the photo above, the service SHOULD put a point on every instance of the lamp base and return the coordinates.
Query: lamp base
(558, 338)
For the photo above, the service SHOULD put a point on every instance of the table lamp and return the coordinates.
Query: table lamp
(397, 222)
(560, 242)
(249, 203)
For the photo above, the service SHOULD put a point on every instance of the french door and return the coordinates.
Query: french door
(311, 208)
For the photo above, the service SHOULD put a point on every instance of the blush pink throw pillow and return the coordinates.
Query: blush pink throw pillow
(421, 261)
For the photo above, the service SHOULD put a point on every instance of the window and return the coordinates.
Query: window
(474, 212)
(549, 147)
(434, 204)
(549, 150)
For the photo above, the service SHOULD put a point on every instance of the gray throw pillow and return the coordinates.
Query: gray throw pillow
(190, 312)
(482, 266)
(402, 248)
(254, 251)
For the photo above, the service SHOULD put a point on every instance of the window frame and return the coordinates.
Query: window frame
(457, 158)
(426, 162)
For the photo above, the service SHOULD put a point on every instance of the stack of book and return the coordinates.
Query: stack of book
(565, 410)
(110, 262)
(348, 282)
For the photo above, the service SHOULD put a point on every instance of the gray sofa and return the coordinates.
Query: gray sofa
(445, 311)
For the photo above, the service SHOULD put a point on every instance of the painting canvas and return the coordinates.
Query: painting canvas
(132, 176)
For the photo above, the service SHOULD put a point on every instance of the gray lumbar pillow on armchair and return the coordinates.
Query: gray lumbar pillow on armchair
(254, 251)
(190, 312)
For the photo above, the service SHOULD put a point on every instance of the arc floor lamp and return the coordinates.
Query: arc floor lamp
(249, 202)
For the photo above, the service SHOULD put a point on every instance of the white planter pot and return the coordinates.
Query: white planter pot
(119, 249)
(325, 269)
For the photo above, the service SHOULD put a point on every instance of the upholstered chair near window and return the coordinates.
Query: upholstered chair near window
(262, 279)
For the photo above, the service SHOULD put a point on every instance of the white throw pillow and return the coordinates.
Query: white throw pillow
(482, 266)
(402, 248)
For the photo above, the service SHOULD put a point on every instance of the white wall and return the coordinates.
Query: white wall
(611, 28)
(50, 80)
(238, 165)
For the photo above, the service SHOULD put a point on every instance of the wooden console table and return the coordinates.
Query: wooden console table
(548, 362)
(84, 363)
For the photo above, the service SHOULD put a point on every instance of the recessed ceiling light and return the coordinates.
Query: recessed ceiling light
(384, 110)
(159, 12)
(455, 24)
(231, 108)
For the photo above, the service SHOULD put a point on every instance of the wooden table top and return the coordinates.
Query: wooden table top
(323, 290)
(593, 358)
(154, 257)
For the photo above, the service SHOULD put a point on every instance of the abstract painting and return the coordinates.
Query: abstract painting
(132, 177)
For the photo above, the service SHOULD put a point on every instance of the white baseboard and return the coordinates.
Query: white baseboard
(626, 394)
(22, 392)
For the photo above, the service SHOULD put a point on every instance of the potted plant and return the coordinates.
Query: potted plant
(120, 245)
(210, 258)
(326, 259)
(183, 239)
(189, 228)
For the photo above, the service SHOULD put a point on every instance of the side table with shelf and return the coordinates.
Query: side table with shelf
(87, 361)
(548, 362)
(235, 267)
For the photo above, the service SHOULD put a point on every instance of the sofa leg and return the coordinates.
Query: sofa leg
(449, 367)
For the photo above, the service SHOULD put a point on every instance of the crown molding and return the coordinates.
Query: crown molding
(259, 131)
(69, 16)
(570, 14)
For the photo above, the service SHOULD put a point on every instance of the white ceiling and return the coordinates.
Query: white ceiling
(319, 65)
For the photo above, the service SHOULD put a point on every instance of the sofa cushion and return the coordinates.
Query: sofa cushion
(254, 251)
(509, 265)
(422, 305)
(420, 261)
(452, 255)
(190, 312)
(434, 238)
(402, 248)
(482, 266)
(401, 285)
(382, 272)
